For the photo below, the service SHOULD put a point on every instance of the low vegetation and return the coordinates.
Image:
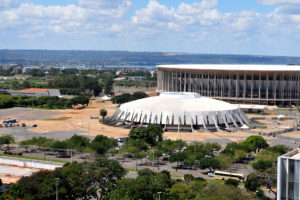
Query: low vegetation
(52, 102)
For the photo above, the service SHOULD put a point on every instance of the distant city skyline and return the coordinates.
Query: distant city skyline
(253, 27)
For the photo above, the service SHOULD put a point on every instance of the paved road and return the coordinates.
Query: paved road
(20, 133)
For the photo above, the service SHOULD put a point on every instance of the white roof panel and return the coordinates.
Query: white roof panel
(232, 67)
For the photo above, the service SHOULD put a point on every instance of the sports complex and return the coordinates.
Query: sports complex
(235, 83)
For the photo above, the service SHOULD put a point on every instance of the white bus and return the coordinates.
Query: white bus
(220, 175)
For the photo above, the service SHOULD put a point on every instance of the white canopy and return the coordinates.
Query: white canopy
(180, 108)
(105, 98)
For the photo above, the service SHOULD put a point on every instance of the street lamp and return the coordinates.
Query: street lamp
(57, 179)
(158, 195)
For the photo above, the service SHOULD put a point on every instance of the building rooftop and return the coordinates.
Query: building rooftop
(295, 154)
(233, 67)
(34, 90)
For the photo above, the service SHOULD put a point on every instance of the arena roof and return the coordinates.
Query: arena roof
(180, 108)
(232, 67)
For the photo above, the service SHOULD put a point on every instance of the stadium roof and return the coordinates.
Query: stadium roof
(233, 67)
(180, 108)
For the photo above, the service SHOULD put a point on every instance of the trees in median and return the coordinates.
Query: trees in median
(7, 139)
(152, 134)
(75, 181)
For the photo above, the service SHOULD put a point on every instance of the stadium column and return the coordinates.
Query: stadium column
(298, 86)
(158, 80)
(274, 88)
(190, 82)
(168, 75)
(201, 82)
(259, 87)
(237, 85)
(208, 86)
(230, 85)
(252, 82)
(176, 81)
(222, 84)
(180, 82)
(245, 86)
(267, 88)
(184, 81)
(215, 85)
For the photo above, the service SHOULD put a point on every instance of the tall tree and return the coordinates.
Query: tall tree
(7, 139)
(256, 143)
(103, 113)
(108, 84)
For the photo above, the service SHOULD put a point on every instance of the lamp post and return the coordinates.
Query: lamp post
(158, 195)
(57, 179)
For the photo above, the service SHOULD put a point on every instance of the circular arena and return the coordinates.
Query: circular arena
(180, 111)
(250, 84)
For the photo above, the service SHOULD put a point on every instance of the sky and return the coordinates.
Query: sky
(253, 27)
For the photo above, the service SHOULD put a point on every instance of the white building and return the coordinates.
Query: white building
(181, 110)
(288, 175)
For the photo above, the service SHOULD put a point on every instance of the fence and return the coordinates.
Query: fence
(29, 164)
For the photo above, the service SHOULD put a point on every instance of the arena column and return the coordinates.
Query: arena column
(267, 88)
(185, 81)
(245, 86)
(172, 86)
(274, 88)
(252, 82)
(237, 86)
(259, 87)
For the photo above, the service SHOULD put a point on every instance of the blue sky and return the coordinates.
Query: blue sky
(257, 27)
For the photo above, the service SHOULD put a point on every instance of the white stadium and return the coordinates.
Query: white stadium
(180, 111)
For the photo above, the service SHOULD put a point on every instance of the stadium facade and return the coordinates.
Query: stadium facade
(250, 84)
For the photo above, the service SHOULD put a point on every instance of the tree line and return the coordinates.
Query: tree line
(99, 145)
(126, 97)
(8, 101)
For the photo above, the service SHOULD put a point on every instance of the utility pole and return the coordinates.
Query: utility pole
(158, 195)
(57, 179)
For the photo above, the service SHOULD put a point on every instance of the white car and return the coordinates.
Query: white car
(210, 174)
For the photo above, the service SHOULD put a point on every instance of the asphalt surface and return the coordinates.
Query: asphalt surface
(27, 113)
(23, 133)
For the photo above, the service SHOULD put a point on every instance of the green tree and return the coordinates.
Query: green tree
(226, 161)
(78, 142)
(108, 84)
(188, 177)
(231, 181)
(7, 139)
(138, 95)
(26, 84)
(210, 163)
(262, 165)
(252, 182)
(101, 144)
(103, 113)
(38, 186)
(152, 134)
(145, 186)
(256, 143)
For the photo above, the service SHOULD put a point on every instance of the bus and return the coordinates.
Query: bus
(220, 175)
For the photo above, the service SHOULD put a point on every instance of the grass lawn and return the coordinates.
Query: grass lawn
(32, 158)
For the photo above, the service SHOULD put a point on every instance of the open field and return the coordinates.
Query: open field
(62, 124)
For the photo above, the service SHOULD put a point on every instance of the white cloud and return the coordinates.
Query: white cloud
(9, 3)
(278, 2)
(193, 26)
